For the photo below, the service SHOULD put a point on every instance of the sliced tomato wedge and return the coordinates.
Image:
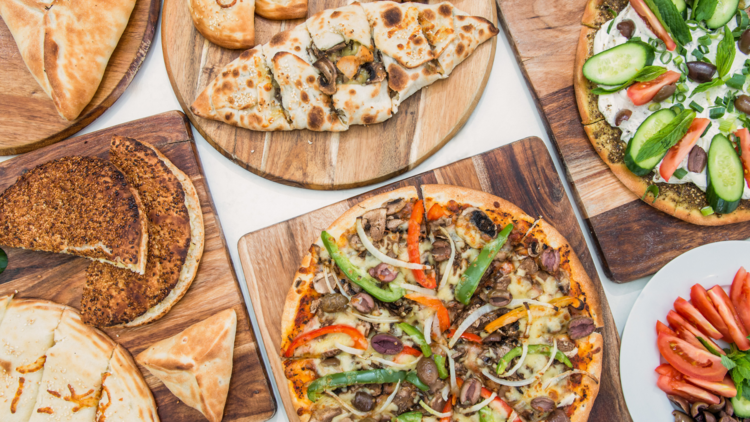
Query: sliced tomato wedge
(744, 136)
(726, 311)
(685, 390)
(668, 370)
(653, 22)
(688, 311)
(677, 153)
(679, 323)
(724, 388)
(689, 337)
(740, 296)
(690, 360)
(661, 328)
(642, 92)
(701, 301)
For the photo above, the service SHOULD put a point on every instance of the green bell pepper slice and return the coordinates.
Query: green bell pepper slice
(418, 338)
(343, 379)
(358, 276)
(471, 277)
(534, 349)
(440, 362)
(485, 415)
(409, 417)
(414, 379)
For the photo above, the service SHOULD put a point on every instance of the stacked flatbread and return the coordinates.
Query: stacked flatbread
(66, 44)
(53, 367)
(353, 65)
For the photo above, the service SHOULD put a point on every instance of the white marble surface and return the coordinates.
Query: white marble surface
(246, 202)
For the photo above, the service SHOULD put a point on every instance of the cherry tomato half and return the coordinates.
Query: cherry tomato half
(641, 93)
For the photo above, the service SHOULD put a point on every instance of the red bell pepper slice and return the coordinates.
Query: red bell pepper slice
(688, 311)
(641, 93)
(407, 351)
(466, 336)
(740, 296)
(677, 153)
(679, 323)
(437, 305)
(412, 246)
(436, 211)
(447, 408)
(724, 306)
(653, 22)
(662, 328)
(701, 301)
(725, 388)
(685, 390)
(744, 136)
(497, 404)
(360, 342)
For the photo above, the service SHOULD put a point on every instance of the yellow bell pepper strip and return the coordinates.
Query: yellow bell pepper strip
(344, 379)
(520, 312)
(534, 349)
(412, 246)
(473, 275)
(437, 305)
(418, 338)
(360, 342)
(359, 277)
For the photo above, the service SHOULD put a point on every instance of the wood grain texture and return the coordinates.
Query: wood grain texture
(358, 157)
(522, 173)
(634, 239)
(28, 116)
(61, 278)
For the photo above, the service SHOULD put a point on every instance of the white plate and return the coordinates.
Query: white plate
(709, 265)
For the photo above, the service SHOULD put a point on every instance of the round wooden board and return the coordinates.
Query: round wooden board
(28, 117)
(323, 160)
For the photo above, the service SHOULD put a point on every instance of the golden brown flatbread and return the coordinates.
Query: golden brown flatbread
(281, 9)
(227, 23)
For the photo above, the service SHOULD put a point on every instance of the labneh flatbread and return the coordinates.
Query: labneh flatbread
(113, 296)
(76, 205)
(227, 23)
(71, 384)
(281, 9)
(67, 44)
(397, 33)
(244, 95)
(26, 334)
(125, 395)
(335, 26)
(196, 364)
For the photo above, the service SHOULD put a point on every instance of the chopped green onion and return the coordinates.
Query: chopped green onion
(730, 105)
(706, 211)
(719, 101)
(654, 107)
(682, 88)
(683, 78)
(680, 97)
(704, 40)
(695, 106)
(727, 125)
(666, 57)
(737, 81)
(716, 112)
(678, 60)
(677, 108)
(653, 190)
(747, 63)
(703, 49)
(745, 71)
(680, 173)
(707, 128)
(698, 54)
(684, 69)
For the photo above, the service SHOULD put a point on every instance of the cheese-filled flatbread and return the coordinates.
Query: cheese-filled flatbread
(397, 33)
(281, 9)
(427, 308)
(227, 23)
(196, 364)
(125, 395)
(72, 380)
(26, 334)
(471, 32)
(296, 41)
(405, 82)
(437, 25)
(363, 104)
(67, 44)
(244, 94)
(332, 27)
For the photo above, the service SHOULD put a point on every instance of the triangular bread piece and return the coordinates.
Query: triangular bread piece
(114, 296)
(66, 44)
(196, 364)
(471, 32)
(76, 205)
(397, 33)
(125, 395)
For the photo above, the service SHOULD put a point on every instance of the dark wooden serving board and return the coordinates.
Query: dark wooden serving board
(60, 278)
(634, 239)
(522, 172)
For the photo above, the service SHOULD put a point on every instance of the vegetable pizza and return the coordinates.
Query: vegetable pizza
(455, 307)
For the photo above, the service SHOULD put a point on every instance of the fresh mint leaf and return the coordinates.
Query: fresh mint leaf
(745, 390)
(658, 144)
(706, 86)
(728, 363)
(725, 53)
(744, 371)
(704, 9)
(646, 74)
(666, 12)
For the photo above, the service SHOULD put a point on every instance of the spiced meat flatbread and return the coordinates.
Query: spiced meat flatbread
(176, 235)
(76, 205)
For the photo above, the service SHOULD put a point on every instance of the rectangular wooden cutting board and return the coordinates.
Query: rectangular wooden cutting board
(523, 173)
(634, 239)
(60, 278)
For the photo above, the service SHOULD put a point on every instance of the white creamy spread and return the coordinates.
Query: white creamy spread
(611, 104)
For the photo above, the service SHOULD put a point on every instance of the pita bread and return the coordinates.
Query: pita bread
(76, 205)
(405, 82)
(397, 33)
(363, 104)
(471, 32)
(196, 364)
(67, 44)
(281, 9)
(72, 379)
(227, 23)
(335, 26)
(125, 395)
(307, 106)
(28, 327)
(244, 95)
(114, 296)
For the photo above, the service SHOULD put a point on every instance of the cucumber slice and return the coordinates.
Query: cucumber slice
(681, 7)
(724, 12)
(618, 64)
(741, 407)
(648, 128)
(725, 176)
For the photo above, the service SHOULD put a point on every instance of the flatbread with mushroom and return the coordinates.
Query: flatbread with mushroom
(471, 32)
(392, 297)
(397, 33)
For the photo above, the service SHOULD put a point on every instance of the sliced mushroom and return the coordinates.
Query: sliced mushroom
(534, 249)
(394, 224)
(558, 416)
(718, 407)
(315, 52)
(327, 79)
(394, 206)
(337, 47)
(698, 408)
(376, 72)
(374, 221)
(681, 417)
(441, 250)
(334, 302)
(320, 285)
(325, 414)
(356, 243)
(483, 222)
